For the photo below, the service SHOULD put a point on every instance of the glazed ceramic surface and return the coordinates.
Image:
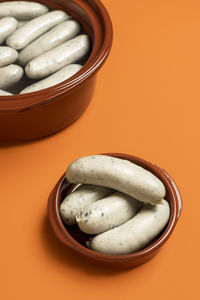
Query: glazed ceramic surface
(41, 113)
(72, 237)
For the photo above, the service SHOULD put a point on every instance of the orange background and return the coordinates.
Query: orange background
(146, 103)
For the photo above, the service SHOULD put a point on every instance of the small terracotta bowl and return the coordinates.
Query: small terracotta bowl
(37, 114)
(72, 237)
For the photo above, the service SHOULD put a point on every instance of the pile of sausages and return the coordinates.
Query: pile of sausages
(42, 44)
(119, 202)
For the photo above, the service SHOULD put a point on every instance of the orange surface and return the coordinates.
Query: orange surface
(146, 104)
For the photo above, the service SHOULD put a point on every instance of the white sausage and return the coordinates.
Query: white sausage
(4, 93)
(77, 200)
(55, 59)
(7, 26)
(135, 233)
(56, 36)
(119, 174)
(23, 10)
(34, 28)
(7, 56)
(107, 213)
(53, 79)
(10, 75)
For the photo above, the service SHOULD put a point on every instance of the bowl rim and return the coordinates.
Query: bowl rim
(21, 102)
(62, 234)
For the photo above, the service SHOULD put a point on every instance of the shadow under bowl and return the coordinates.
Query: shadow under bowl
(41, 113)
(72, 237)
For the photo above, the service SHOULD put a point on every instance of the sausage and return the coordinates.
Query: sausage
(7, 26)
(23, 10)
(77, 200)
(7, 56)
(136, 233)
(107, 213)
(53, 79)
(34, 28)
(57, 58)
(56, 36)
(4, 93)
(10, 75)
(119, 174)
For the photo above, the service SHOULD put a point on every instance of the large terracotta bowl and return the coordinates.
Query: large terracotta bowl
(37, 114)
(72, 237)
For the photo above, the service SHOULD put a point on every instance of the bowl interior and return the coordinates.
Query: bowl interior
(81, 237)
(86, 27)
(96, 23)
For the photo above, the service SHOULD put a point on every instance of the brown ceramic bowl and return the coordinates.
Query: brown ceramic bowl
(29, 116)
(72, 237)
